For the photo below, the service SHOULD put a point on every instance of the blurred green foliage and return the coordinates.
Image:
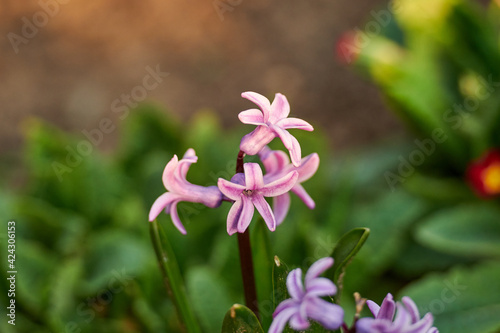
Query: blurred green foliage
(85, 259)
(84, 256)
(437, 64)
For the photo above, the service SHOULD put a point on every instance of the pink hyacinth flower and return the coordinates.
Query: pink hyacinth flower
(406, 319)
(179, 189)
(278, 164)
(306, 302)
(271, 120)
(248, 191)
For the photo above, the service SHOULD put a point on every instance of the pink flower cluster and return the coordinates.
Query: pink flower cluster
(249, 189)
(306, 303)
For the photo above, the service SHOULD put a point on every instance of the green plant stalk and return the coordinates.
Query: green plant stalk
(173, 279)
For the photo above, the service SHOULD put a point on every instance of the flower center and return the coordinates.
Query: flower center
(248, 193)
(491, 178)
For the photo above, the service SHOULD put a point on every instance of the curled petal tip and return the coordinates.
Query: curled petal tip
(251, 117)
(190, 153)
(179, 189)
(246, 93)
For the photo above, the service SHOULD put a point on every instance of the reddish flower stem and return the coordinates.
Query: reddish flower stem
(239, 162)
(247, 272)
(246, 260)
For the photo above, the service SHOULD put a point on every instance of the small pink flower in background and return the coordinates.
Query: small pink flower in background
(306, 301)
(347, 47)
(483, 174)
(278, 164)
(179, 189)
(271, 121)
(248, 191)
(407, 318)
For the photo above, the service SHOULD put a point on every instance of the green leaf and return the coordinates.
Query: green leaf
(172, 278)
(344, 252)
(262, 257)
(112, 251)
(43, 219)
(389, 218)
(241, 319)
(280, 291)
(37, 266)
(144, 310)
(209, 296)
(438, 189)
(417, 94)
(280, 273)
(462, 301)
(224, 255)
(61, 299)
(57, 166)
(416, 260)
(469, 230)
(346, 248)
(148, 129)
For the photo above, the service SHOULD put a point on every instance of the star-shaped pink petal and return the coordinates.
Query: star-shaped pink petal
(250, 193)
(272, 121)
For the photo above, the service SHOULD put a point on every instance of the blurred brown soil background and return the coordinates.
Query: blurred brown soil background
(91, 52)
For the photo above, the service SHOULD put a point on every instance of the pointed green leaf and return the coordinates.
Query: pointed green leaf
(280, 273)
(172, 278)
(469, 230)
(346, 248)
(241, 319)
(280, 291)
(344, 251)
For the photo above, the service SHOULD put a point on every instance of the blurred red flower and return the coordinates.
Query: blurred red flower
(483, 174)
